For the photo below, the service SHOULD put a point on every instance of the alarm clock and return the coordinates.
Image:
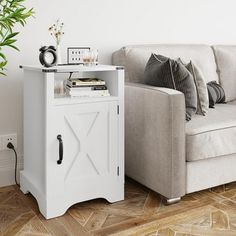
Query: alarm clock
(48, 56)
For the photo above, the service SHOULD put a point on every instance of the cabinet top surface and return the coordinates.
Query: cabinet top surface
(71, 68)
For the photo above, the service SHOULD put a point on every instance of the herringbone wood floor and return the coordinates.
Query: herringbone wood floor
(211, 212)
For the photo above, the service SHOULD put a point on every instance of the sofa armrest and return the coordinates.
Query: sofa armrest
(155, 138)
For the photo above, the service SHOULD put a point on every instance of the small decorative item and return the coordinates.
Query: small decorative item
(56, 31)
(90, 58)
(94, 54)
(59, 87)
(48, 56)
(75, 55)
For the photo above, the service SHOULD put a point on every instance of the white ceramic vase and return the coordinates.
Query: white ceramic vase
(59, 61)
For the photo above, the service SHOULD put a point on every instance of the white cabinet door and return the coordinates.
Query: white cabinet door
(89, 133)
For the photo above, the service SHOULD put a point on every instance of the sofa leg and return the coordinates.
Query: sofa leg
(170, 201)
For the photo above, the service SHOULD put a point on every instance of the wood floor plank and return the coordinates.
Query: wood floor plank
(121, 227)
(142, 213)
(166, 232)
(81, 214)
(64, 225)
(140, 221)
(96, 220)
(150, 229)
(34, 227)
(28, 199)
(220, 220)
(152, 203)
(14, 214)
(18, 223)
(117, 218)
(5, 194)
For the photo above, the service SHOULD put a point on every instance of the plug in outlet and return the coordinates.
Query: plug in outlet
(5, 139)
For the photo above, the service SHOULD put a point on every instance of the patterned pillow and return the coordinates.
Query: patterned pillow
(162, 71)
(201, 87)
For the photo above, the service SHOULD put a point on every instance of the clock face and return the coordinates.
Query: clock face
(49, 57)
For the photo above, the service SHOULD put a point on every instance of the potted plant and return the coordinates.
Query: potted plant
(12, 12)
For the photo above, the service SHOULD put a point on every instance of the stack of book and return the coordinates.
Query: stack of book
(86, 87)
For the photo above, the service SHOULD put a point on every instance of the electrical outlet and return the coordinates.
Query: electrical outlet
(5, 139)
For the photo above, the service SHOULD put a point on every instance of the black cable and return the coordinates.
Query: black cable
(71, 73)
(11, 146)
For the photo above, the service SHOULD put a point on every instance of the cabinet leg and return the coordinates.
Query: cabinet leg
(116, 198)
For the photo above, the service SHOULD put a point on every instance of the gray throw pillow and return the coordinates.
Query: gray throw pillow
(201, 87)
(216, 94)
(158, 72)
(162, 71)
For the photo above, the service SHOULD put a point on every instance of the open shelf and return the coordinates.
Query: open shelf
(107, 73)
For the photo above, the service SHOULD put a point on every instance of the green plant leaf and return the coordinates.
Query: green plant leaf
(3, 64)
(7, 42)
(12, 12)
(11, 35)
(13, 46)
(2, 56)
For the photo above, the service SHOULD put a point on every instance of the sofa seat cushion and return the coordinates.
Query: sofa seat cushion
(212, 135)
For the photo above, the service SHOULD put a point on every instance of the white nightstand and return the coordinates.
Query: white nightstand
(90, 131)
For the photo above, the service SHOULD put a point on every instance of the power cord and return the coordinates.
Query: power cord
(11, 146)
(71, 73)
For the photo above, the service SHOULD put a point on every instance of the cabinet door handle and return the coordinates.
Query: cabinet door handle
(60, 149)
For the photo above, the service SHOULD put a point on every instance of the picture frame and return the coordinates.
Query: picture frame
(75, 55)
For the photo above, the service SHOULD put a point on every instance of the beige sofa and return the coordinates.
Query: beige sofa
(163, 151)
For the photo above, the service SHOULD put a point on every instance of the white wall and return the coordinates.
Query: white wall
(107, 25)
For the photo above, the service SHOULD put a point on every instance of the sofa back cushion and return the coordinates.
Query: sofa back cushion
(226, 67)
(134, 59)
